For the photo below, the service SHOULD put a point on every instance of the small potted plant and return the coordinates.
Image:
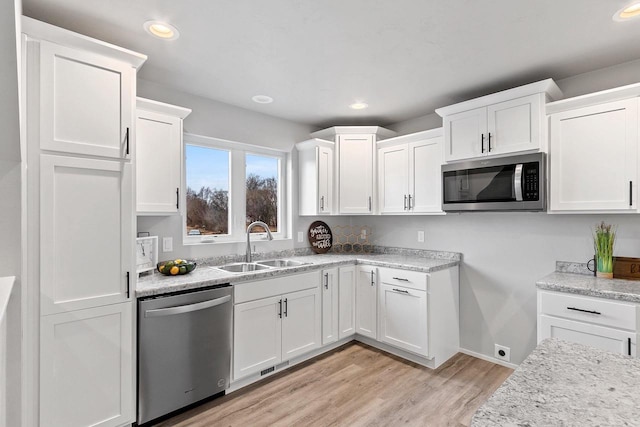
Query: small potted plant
(604, 238)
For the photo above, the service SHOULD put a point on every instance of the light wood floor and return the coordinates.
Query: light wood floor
(356, 385)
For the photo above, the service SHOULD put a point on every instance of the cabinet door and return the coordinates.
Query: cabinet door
(594, 158)
(86, 233)
(464, 133)
(86, 102)
(346, 302)
(403, 318)
(425, 176)
(257, 336)
(329, 306)
(393, 180)
(158, 148)
(325, 180)
(366, 302)
(355, 174)
(86, 367)
(301, 323)
(614, 340)
(514, 125)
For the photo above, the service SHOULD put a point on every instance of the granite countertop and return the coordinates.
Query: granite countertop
(582, 284)
(157, 284)
(566, 384)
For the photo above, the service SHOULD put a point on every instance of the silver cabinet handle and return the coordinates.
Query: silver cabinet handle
(326, 280)
(180, 309)
(372, 279)
(517, 182)
(286, 307)
(322, 203)
(369, 203)
(400, 278)
(482, 142)
(401, 290)
(405, 202)
(280, 308)
(410, 202)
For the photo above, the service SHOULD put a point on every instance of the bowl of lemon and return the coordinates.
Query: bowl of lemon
(176, 267)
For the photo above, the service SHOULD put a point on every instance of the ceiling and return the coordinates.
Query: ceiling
(403, 57)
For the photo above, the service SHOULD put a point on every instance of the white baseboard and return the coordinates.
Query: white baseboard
(488, 358)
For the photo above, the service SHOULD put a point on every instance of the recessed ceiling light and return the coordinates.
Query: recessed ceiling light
(358, 106)
(632, 10)
(262, 99)
(161, 30)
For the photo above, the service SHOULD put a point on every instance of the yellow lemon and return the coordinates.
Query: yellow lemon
(178, 261)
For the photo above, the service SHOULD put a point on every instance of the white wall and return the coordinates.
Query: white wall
(10, 199)
(215, 119)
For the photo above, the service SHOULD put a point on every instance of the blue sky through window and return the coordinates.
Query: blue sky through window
(264, 167)
(207, 167)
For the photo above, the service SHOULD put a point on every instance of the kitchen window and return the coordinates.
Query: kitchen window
(229, 185)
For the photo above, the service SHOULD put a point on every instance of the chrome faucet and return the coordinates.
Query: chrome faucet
(249, 228)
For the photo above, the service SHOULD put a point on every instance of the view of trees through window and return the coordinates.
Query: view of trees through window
(208, 198)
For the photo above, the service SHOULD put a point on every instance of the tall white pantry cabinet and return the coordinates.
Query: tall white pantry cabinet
(79, 103)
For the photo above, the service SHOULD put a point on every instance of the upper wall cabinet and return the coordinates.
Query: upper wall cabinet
(505, 122)
(593, 152)
(158, 154)
(315, 177)
(356, 160)
(409, 178)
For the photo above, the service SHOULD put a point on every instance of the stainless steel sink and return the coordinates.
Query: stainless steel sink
(243, 267)
(279, 263)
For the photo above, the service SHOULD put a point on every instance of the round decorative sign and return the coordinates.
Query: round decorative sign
(320, 237)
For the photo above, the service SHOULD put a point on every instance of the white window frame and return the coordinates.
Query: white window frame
(237, 189)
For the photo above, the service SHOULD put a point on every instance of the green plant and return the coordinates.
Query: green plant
(604, 239)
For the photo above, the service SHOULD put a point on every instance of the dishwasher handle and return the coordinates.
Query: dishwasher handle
(188, 308)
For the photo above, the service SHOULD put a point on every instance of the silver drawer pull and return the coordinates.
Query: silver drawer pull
(181, 309)
(401, 279)
(401, 290)
(583, 311)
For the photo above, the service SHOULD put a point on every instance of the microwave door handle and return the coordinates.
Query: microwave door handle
(517, 182)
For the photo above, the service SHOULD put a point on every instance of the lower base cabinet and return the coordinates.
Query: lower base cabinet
(366, 301)
(86, 367)
(330, 306)
(271, 329)
(403, 318)
(346, 301)
(597, 322)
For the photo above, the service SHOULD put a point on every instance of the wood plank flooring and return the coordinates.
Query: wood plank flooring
(356, 385)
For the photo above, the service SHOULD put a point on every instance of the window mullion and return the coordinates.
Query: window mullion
(239, 192)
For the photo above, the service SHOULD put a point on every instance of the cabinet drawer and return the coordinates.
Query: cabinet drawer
(592, 310)
(407, 279)
(250, 291)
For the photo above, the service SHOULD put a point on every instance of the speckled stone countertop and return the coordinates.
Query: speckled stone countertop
(157, 284)
(589, 285)
(566, 384)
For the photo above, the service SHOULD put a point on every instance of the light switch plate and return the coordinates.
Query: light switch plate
(421, 236)
(167, 244)
(300, 236)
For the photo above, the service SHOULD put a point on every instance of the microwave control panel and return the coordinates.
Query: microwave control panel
(531, 181)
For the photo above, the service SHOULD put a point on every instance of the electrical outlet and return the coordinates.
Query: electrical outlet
(502, 353)
(300, 236)
(421, 236)
(363, 234)
(167, 244)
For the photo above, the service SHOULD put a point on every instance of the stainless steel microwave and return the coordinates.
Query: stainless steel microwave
(515, 183)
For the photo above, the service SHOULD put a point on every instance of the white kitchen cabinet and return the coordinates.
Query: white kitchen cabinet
(158, 154)
(403, 318)
(275, 320)
(86, 367)
(315, 177)
(410, 179)
(346, 301)
(606, 324)
(86, 102)
(356, 172)
(86, 233)
(79, 108)
(593, 158)
(366, 301)
(257, 336)
(330, 305)
(510, 121)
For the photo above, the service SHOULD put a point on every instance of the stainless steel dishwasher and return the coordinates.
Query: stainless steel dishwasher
(184, 350)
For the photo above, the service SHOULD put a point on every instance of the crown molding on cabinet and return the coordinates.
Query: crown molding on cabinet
(547, 86)
(412, 137)
(591, 99)
(162, 108)
(330, 133)
(313, 143)
(42, 30)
